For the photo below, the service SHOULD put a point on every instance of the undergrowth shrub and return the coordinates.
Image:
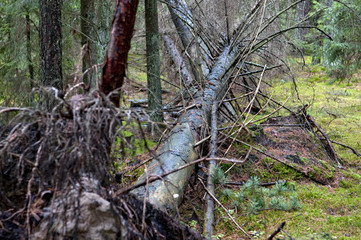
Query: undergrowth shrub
(252, 198)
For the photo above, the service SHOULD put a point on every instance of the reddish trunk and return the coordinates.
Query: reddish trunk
(119, 45)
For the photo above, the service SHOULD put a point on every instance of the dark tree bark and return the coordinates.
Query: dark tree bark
(28, 48)
(87, 26)
(303, 9)
(50, 37)
(117, 54)
(153, 61)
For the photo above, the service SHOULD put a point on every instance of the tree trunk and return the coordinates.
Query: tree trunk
(88, 40)
(153, 61)
(183, 21)
(28, 48)
(50, 37)
(117, 54)
(303, 9)
(104, 23)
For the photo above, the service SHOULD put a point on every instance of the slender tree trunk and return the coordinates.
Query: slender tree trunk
(153, 61)
(28, 49)
(303, 9)
(88, 40)
(183, 21)
(103, 23)
(50, 37)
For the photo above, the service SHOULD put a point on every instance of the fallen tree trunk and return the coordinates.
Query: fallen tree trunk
(197, 49)
(179, 149)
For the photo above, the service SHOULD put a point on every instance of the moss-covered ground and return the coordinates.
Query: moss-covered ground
(336, 106)
(332, 211)
(335, 210)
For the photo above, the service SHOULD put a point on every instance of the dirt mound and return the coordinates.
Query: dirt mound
(290, 140)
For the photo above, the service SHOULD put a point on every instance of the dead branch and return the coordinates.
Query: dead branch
(279, 229)
(345, 146)
(209, 215)
(225, 209)
(312, 123)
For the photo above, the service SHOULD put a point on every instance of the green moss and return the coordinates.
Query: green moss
(352, 175)
(285, 172)
(345, 184)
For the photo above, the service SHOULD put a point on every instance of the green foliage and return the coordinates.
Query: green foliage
(342, 55)
(252, 198)
(14, 75)
(218, 176)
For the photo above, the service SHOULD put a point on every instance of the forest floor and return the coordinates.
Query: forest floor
(331, 209)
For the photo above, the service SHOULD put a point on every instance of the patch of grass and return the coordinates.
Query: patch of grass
(324, 210)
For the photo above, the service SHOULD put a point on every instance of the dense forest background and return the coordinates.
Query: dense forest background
(20, 53)
(301, 60)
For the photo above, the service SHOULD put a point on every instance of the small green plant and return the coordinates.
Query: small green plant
(193, 224)
(252, 198)
(219, 177)
(257, 234)
(218, 236)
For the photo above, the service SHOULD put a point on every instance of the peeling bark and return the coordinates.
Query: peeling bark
(117, 54)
